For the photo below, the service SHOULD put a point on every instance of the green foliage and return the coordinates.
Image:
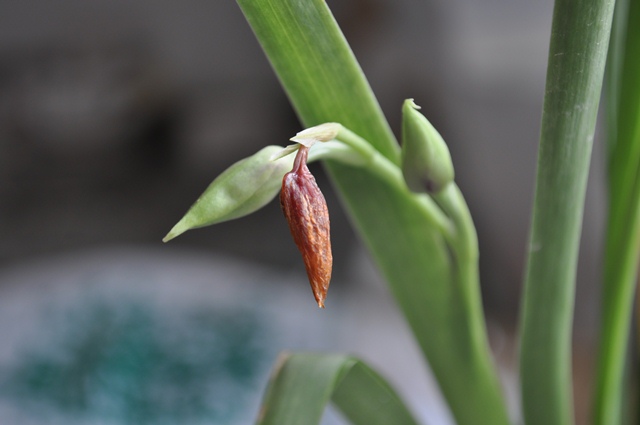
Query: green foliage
(440, 297)
(357, 390)
(623, 232)
(242, 189)
(577, 54)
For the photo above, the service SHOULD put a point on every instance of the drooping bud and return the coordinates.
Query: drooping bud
(426, 161)
(306, 212)
(241, 189)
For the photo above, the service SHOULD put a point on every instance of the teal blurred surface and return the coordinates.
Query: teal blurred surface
(132, 337)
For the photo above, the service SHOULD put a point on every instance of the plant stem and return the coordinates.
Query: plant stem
(577, 53)
(623, 233)
(391, 173)
(384, 169)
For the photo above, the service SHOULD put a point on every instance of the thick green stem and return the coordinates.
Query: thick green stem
(577, 53)
(623, 233)
(355, 151)
(389, 171)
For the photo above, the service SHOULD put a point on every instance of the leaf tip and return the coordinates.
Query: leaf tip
(176, 231)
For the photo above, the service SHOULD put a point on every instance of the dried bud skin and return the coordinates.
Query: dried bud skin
(306, 212)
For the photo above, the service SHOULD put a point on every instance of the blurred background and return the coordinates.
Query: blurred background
(115, 115)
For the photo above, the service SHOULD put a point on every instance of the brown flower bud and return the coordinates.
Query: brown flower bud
(306, 211)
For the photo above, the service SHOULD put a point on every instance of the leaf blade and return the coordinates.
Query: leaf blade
(623, 231)
(290, 400)
(577, 54)
(440, 299)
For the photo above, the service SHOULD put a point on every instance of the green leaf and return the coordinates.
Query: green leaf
(317, 68)
(362, 395)
(577, 53)
(241, 189)
(623, 231)
(434, 284)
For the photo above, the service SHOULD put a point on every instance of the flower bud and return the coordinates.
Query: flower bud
(426, 161)
(306, 211)
(241, 189)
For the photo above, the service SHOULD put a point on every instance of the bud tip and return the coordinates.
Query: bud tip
(320, 133)
(411, 103)
(320, 298)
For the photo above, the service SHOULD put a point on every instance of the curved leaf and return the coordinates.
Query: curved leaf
(360, 393)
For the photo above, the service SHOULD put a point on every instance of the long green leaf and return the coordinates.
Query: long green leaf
(437, 291)
(623, 233)
(577, 53)
(317, 69)
(303, 384)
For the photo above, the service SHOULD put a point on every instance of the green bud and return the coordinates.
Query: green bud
(426, 161)
(240, 190)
